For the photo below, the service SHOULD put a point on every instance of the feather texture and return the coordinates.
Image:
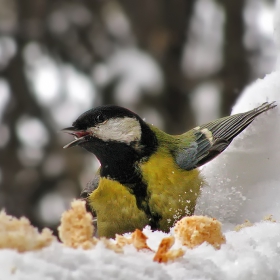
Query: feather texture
(214, 137)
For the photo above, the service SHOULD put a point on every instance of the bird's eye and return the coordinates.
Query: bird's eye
(99, 119)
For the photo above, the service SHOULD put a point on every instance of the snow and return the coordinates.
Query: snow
(253, 253)
(277, 30)
(243, 183)
(244, 180)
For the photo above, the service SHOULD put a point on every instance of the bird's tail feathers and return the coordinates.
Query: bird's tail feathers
(229, 127)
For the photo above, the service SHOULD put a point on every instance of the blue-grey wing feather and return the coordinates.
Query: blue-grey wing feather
(213, 138)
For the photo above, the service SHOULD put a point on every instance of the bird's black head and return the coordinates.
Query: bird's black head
(114, 134)
(102, 114)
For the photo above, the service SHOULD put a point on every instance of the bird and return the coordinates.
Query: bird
(146, 176)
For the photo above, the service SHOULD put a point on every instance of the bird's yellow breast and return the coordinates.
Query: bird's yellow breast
(173, 192)
(116, 209)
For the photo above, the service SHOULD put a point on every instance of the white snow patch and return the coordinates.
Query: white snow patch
(243, 182)
(252, 253)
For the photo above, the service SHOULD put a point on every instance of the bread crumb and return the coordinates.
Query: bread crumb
(163, 253)
(76, 229)
(13, 270)
(163, 248)
(20, 235)
(193, 231)
(139, 240)
(246, 223)
(174, 254)
(122, 241)
(112, 246)
(269, 218)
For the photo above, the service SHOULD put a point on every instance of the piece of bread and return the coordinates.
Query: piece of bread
(246, 223)
(193, 231)
(76, 228)
(164, 254)
(20, 235)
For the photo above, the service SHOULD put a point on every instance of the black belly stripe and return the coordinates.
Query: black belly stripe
(139, 190)
(121, 164)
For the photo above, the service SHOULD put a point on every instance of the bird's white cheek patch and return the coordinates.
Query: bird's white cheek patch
(119, 129)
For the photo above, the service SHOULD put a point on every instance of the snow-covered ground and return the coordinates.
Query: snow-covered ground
(243, 183)
(253, 253)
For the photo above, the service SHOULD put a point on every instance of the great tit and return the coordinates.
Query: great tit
(146, 176)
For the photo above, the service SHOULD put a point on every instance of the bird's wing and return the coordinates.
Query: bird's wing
(212, 138)
(90, 187)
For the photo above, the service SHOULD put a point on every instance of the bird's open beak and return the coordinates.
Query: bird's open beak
(78, 134)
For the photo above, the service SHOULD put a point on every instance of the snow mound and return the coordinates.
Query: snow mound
(244, 181)
(252, 253)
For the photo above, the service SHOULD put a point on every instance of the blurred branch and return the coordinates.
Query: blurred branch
(21, 103)
(236, 70)
(22, 186)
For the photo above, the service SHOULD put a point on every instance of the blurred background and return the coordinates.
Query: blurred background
(175, 63)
